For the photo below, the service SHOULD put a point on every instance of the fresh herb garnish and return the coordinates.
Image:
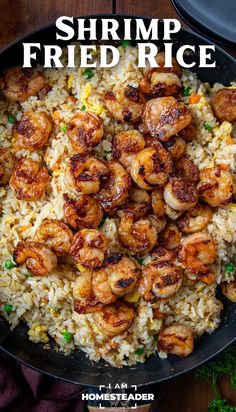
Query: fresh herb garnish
(229, 268)
(11, 119)
(207, 127)
(8, 264)
(67, 336)
(8, 308)
(87, 73)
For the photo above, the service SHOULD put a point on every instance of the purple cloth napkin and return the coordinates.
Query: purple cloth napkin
(24, 390)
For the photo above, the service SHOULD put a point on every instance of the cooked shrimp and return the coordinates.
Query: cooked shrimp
(177, 340)
(85, 131)
(216, 186)
(170, 237)
(89, 247)
(151, 167)
(114, 319)
(164, 117)
(20, 83)
(101, 287)
(159, 222)
(160, 59)
(180, 195)
(39, 260)
(55, 235)
(138, 203)
(6, 165)
(29, 179)
(176, 147)
(125, 145)
(87, 173)
(163, 254)
(187, 170)
(83, 212)
(121, 275)
(160, 280)
(125, 104)
(224, 105)
(160, 84)
(172, 213)
(115, 190)
(188, 133)
(138, 236)
(84, 299)
(32, 131)
(196, 219)
(229, 290)
(158, 204)
(197, 251)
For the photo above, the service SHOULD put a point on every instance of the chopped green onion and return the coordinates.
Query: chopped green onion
(83, 108)
(8, 308)
(87, 73)
(207, 126)
(67, 336)
(125, 44)
(11, 119)
(229, 268)
(186, 91)
(139, 351)
(63, 129)
(140, 261)
(155, 337)
(8, 264)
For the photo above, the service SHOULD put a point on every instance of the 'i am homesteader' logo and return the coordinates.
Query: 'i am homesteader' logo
(117, 396)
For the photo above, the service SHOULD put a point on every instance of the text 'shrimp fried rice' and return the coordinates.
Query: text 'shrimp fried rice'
(46, 303)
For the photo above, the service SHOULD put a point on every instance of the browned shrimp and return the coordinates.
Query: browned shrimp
(216, 186)
(20, 83)
(196, 219)
(39, 260)
(187, 170)
(176, 147)
(160, 59)
(32, 131)
(197, 251)
(172, 213)
(85, 131)
(125, 104)
(177, 340)
(117, 278)
(151, 167)
(160, 280)
(160, 84)
(29, 179)
(138, 203)
(89, 247)
(163, 254)
(84, 299)
(188, 133)
(83, 212)
(114, 319)
(87, 173)
(115, 189)
(180, 195)
(138, 236)
(229, 290)
(125, 145)
(170, 237)
(158, 204)
(164, 117)
(6, 165)
(224, 105)
(55, 235)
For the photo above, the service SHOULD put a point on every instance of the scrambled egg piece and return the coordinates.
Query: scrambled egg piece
(37, 333)
(95, 108)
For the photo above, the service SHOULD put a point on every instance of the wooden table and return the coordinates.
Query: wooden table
(18, 18)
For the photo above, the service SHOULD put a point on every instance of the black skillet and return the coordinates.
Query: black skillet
(77, 368)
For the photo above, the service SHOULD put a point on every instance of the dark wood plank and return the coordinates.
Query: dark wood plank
(23, 16)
